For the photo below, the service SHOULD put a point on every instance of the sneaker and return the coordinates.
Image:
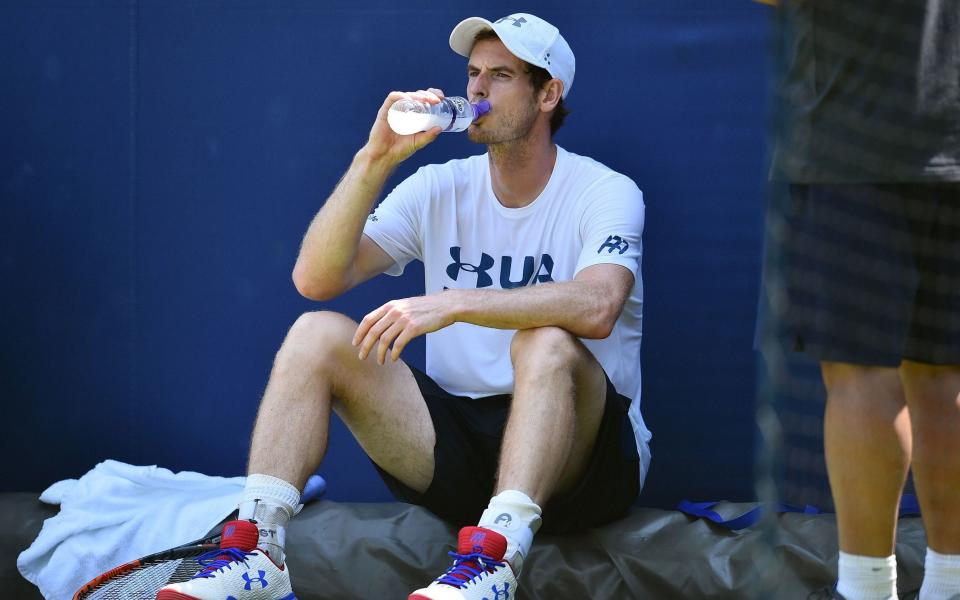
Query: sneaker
(237, 571)
(479, 571)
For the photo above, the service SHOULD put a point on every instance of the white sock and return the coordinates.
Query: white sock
(941, 576)
(270, 502)
(867, 577)
(515, 516)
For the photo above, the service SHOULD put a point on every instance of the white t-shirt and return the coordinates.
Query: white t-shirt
(448, 217)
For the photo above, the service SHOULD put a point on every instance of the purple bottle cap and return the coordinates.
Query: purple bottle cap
(481, 108)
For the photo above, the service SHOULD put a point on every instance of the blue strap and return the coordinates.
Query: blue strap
(702, 509)
(908, 508)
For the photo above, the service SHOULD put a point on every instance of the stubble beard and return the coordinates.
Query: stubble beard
(512, 128)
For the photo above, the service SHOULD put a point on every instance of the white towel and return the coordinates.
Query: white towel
(116, 513)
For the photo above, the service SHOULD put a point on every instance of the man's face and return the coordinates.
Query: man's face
(494, 74)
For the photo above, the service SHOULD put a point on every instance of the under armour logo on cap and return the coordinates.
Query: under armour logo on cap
(516, 22)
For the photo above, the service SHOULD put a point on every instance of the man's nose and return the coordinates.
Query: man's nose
(477, 88)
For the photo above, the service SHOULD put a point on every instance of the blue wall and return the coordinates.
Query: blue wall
(160, 161)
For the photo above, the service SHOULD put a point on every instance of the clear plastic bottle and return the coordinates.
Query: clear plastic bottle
(453, 113)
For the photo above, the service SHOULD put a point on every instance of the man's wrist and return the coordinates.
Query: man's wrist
(458, 304)
(372, 162)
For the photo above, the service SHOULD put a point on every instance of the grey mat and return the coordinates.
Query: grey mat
(384, 551)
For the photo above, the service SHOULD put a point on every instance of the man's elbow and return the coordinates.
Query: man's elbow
(312, 287)
(601, 325)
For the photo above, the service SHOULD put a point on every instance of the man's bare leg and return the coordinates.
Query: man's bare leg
(558, 401)
(316, 370)
(559, 395)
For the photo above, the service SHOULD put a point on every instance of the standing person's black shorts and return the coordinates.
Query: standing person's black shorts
(872, 271)
(469, 433)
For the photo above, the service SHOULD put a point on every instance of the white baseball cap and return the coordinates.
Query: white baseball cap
(527, 37)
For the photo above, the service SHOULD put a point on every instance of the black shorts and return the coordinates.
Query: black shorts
(871, 271)
(469, 433)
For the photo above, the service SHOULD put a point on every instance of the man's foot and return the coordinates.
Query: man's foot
(479, 571)
(237, 571)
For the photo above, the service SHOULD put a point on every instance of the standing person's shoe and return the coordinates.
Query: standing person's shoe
(238, 571)
(479, 571)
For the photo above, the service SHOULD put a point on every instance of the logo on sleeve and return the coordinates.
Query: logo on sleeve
(614, 242)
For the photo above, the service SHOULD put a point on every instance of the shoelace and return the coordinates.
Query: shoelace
(214, 561)
(466, 568)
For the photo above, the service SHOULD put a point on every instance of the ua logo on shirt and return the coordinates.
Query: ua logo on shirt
(487, 262)
(454, 268)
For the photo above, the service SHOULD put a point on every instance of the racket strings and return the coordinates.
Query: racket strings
(144, 582)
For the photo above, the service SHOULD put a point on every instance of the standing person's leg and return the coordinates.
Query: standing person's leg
(933, 394)
(931, 379)
(316, 370)
(867, 444)
(848, 254)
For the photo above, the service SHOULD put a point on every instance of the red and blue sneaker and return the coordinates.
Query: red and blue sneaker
(479, 571)
(237, 571)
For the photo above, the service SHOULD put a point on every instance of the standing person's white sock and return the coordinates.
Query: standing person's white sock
(270, 502)
(867, 577)
(514, 515)
(941, 576)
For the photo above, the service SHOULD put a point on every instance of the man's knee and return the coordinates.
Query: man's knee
(923, 374)
(926, 384)
(851, 378)
(546, 347)
(863, 388)
(316, 338)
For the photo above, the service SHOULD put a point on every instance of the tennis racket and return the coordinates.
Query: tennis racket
(142, 578)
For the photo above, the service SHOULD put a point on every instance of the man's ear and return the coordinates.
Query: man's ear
(550, 94)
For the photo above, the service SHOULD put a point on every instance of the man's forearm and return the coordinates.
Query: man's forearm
(330, 245)
(587, 307)
(584, 308)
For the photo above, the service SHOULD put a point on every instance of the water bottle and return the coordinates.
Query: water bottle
(453, 113)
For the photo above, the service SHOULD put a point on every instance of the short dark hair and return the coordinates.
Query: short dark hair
(538, 78)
